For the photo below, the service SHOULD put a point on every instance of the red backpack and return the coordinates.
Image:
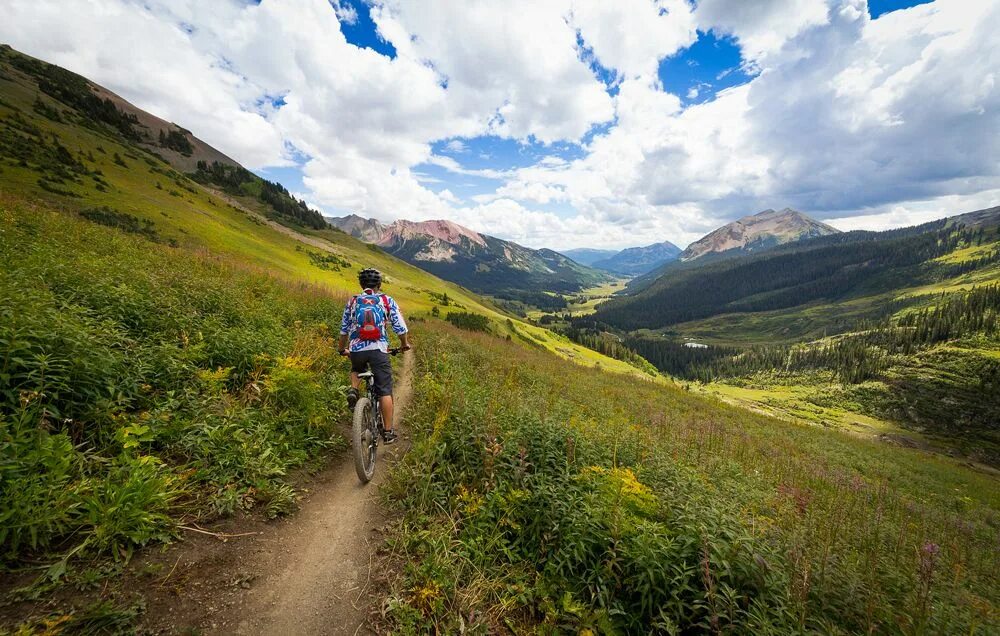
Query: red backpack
(371, 312)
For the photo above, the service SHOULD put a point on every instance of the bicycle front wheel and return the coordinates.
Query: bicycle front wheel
(363, 440)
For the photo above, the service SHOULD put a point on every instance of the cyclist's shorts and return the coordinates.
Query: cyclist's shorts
(381, 368)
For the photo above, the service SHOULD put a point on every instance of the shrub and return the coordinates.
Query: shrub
(468, 320)
(121, 220)
(128, 506)
(38, 472)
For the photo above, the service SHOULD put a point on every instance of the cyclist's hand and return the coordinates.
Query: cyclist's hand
(344, 352)
(406, 347)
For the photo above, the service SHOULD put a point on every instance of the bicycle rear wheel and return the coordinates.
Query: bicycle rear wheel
(363, 440)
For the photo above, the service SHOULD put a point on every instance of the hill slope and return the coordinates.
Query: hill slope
(480, 262)
(639, 260)
(684, 497)
(757, 232)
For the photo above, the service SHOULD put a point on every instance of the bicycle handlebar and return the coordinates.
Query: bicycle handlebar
(394, 351)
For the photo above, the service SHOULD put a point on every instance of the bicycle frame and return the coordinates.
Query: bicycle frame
(368, 426)
(369, 379)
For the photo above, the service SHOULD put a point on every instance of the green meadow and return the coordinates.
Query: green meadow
(552, 499)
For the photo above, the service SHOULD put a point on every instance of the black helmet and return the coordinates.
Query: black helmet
(370, 278)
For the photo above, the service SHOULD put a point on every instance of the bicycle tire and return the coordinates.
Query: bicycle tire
(363, 464)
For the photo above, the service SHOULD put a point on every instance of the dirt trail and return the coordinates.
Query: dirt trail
(317, 576)
(311, 573)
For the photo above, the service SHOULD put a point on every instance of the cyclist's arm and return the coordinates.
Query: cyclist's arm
(345, 327)
(399, 324)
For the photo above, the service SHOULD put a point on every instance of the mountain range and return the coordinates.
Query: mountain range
(490, 265)
(480, 262)
(749, 234)
(639, 260)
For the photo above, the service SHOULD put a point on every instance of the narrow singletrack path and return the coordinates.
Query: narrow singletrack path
(313, 573)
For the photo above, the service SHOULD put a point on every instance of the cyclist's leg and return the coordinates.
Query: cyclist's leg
(382, 370)
(358, 363)
(385, 402)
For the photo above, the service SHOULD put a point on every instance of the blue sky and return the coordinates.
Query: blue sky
(362, 32)
(711, 64)
(877, 8)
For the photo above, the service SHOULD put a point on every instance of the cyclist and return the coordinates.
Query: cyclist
(365, 338)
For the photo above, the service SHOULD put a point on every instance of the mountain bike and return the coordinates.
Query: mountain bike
(368, 426)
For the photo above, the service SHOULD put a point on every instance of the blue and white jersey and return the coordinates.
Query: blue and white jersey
(349, 327)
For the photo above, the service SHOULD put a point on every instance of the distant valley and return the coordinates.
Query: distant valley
(808, 322)
(630, 261)
(639, 260)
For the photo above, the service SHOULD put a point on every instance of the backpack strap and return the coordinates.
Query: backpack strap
(385, 303)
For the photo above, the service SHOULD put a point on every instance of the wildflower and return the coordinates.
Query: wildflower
(425, 595)
(928, 559)
(925, 570)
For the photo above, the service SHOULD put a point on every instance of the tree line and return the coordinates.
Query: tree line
(176, 140)
(74, 91)
(609, 345)
(239, 181)
(862, 355)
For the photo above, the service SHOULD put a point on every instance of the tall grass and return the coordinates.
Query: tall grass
(141, 384)
(539, 495)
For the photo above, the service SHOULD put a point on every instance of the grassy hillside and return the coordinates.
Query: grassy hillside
(558, 501)
(52, 152)
(142, 385)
